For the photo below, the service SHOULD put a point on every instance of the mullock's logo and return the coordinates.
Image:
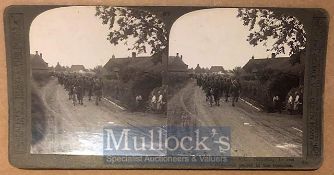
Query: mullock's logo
(156, 141)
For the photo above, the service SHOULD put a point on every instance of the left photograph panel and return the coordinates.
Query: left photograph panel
(94, 67)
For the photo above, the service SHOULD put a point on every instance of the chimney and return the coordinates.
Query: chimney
(253, 57)
(177, 54)
(181, 57)
(273, 55)
(41, 55)
(113, 56)
(133, 54)
(36, 52)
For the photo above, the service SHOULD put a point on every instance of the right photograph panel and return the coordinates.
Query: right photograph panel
(240, 71)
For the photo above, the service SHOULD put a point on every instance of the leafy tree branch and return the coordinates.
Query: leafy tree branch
(265, 25)
(141, 26)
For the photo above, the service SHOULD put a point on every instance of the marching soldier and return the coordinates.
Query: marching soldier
(98, 90)
(79, 92)
(235, 90)
(227, 85)
(90, 86)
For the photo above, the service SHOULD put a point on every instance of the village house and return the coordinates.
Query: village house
(59, 68)
(199, 70)
(129, 77)
(265, 77)
(217, 69)
(176, 64)
(255, 67)
(177, 70)
(115, 65)
(38, 65)
(77, 68)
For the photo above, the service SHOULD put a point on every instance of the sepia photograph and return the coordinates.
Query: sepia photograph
(86, 75)
(241, 68)
(96, 67)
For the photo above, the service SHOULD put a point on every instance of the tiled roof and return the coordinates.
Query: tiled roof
(281, 64)
(37, 62)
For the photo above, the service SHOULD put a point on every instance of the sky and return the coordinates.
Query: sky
(214, 37)
(74, 35)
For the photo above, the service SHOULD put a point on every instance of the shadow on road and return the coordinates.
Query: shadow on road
(38, 118)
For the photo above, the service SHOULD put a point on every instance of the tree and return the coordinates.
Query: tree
(266, 25)
(237, 71)
(98, 70)
(145, 28)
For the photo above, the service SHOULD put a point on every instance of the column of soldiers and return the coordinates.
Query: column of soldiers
(217, 86)
(78, 86)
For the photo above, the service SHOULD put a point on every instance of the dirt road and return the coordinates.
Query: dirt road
(253, 133)
(77, 130)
